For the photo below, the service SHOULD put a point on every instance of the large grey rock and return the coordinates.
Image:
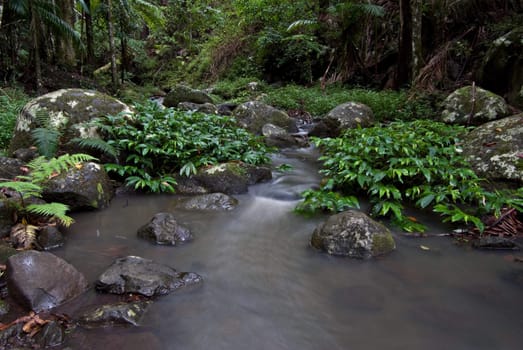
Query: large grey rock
(279, 137)
(133, 274)
(210, 201)
(345, 116)
(10, 168)
(67, 110)
(254, 115)
(495, 149)
(459, 105)
(164, 229)
(41, 281)
(353, 234)
(181, 93)
(114, 314)
(84, 187)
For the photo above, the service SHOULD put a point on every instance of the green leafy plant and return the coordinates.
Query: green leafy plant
(157, 142)
(11, 102)
(417, 162)
(32, 185)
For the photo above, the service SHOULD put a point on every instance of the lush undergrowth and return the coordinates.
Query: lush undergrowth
(416, 162)
(11, 102)
(158, 142)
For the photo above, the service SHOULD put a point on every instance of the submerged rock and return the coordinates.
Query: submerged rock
(353, 234)
(40, 280)
(210, 201)
(495, 149)
(114, 314)
(459, 106)
(164, 229)
(279, 137)
(133, 274)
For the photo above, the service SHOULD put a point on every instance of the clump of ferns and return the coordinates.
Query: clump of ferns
(23, 195)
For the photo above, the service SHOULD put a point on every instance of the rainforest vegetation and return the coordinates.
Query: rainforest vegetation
(399, 57)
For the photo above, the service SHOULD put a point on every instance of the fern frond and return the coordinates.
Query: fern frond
(46, 140)
(303, 23)
(42, 169)
(54, 210)
(26, 189)
(96, 144)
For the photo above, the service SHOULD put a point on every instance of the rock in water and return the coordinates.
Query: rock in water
(40, 280)
(164, 229)
(353, 234)
(133, 274)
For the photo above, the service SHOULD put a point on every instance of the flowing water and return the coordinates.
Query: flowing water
(266, 289)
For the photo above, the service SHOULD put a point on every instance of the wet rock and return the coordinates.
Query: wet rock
(4, 307)
(164, 229)
(34, 283)
(458, 106)
(68, 111)
(26, 154)
(232, 177)
(51, 334)
(211, 201)
(114, 314)
(495, 149)
(279, 137)
(6, 215)
(84, 187)
(133, 274)
(345, 116)
(353, 234)
(6, 251)
(9, 337)
(254, 115)
(181, 93)
(226, 108)
(49, 238)
(495, 243)
(10, 168)
(207, 108)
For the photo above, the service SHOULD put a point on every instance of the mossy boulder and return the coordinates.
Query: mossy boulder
(483, 105)
(353, 234)
(502, 68)
(495, 149)
(253, 115)
(181, 93)
(68, 110)
(345, 116)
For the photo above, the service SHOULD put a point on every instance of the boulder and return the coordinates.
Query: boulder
(181, 93)
(49, 238)
(86, 186)
(345, 116)
(33, 281)
(228, 178)
(7, 218)
(495, 149)
(133, 274)
(352, 233)
(164, 229)
(459, 105)
(226, 108)
(67, 110)
(254, 115)
(278, 137)
(206, 108)
(210, 201)
(114, 314)
(502, 68)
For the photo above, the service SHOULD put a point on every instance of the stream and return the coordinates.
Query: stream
(265, 289)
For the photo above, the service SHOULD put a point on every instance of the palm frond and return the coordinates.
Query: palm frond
(151, 14)
(54, 210)
(303, 24)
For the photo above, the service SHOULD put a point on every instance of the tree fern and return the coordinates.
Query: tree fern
(54, 210)
(46, 140)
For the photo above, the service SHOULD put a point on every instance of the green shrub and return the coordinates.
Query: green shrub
(159, 142)
(11, 102)
(416, 162)
(386, 105)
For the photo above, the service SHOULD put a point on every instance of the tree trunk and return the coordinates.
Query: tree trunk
(112, 47)
(404, 68)
(65, 50)
(36, 47)
(89, 58)
(417, 48)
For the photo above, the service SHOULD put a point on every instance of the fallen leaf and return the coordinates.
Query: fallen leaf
(424, 247)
